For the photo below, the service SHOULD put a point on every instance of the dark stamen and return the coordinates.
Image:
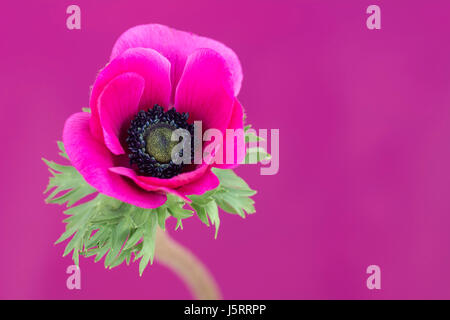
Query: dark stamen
(149, 141)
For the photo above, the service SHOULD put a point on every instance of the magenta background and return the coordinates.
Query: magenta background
(365, 147)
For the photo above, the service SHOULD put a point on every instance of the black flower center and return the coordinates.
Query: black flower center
(150, 142)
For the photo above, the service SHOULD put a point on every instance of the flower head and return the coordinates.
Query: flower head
(158, 80)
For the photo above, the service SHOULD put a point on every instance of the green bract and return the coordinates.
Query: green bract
(107, 228)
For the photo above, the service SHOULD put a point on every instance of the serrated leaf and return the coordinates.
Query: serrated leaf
(179, 224)
(102, 251)
(201, 212)
(79, 216)
(107, 228)
(162, 216)
(213, 212)
(139, 216)
(175, 208)
(99, 238)
(134, 238)
(103, 227)
(66, 179)
(204, 198)
(255, 155)
(148, 242)
(62, 150)
(252, 137)
(119, 236)
(229, 180)
(235, 195)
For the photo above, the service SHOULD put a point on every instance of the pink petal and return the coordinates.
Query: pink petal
(236, 123)
(152, 66)
(207, 181)
(118, 105)
(92, 159)
(152, 183)
(176, 46)
(205, 90)
(130, 173)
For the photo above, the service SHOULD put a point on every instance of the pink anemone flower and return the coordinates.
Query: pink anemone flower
(154, 68)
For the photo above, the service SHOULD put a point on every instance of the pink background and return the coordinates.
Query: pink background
(365, 147)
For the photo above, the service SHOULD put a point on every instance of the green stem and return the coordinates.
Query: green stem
(187, 266)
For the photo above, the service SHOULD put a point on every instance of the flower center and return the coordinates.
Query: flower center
(159, 143)
(150, 142)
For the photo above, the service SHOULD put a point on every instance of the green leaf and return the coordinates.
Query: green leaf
(201, 212)
(179, 224)
(235, 195)
(255, 155)
(230, 181)
(80, 215)
(107, 228)
(232, 196)
(148, 247)
(175, 207)
(252, 137)
(62, 150)
(213, 213)
(119, 236)
(204, 198)
(162, 216)
(135, 237)
(102, 228)
(68, 181)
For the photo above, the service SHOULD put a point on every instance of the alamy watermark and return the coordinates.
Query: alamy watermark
(212, 146)
(374, 280)
(74, 280)
(73, 21)
(374, 20)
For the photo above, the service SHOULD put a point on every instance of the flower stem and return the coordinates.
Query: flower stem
(187, 266)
